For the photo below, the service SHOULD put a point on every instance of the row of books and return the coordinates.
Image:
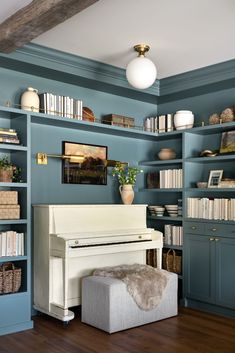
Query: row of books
(170, 178)
(211, 208)
(11, 243)
(63, 106)
(9, 136)
(159, 124)
(173, 235)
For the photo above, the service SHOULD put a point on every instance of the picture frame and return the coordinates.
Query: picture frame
(227, 144)
(215, 177)
(91, 170)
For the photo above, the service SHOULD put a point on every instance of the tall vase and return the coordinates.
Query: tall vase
(30, 100)
(127, 193)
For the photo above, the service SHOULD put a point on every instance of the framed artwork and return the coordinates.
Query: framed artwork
(214, 178)
(227, 142)
(90, 169)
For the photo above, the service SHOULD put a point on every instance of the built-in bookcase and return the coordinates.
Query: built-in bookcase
(15, 308)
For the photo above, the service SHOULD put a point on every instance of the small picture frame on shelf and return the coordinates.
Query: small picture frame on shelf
(215, 177)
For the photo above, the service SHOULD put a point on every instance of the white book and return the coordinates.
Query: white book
(156, 124)
(161, 124)
(147, 124)
(169, 122)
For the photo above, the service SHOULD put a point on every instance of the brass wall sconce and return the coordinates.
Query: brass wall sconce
(42, 158)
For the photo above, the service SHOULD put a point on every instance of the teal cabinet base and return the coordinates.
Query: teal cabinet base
(15, 313)
(16, 328)
(210, 308)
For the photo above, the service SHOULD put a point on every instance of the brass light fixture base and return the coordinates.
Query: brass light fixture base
(141, 48)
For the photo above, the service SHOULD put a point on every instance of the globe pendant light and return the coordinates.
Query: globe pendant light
(141, 72)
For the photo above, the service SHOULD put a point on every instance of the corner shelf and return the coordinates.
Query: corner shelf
(166, 218)
(160, 162)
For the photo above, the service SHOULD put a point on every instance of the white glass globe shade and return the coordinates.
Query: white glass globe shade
(141, 72)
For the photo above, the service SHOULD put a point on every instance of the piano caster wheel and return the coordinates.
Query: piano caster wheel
(65, 323)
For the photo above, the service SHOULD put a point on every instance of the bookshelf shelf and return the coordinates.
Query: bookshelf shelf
(158, 162)
(166, 218)
(13, 258)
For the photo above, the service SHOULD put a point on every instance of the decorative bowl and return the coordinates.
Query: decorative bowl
(202, 184)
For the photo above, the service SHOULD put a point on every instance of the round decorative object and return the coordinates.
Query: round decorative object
(87, 114)
(127, 193)
(141, 72)
(208, 153)
(227, 115)
(202, 184)
(30, 100)
(183, 119)
(166, 153)
(214, 119)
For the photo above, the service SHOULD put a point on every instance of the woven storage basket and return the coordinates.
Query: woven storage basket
(9, 211)
(10, 278)
(8, 197)
(171, 261)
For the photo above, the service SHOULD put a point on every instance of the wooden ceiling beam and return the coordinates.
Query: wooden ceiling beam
(36, 18)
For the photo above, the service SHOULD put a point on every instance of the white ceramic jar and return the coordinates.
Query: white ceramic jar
(183, 119)
(30, 100)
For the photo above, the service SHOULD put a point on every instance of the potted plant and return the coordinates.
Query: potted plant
(9, 172)
(127, 177)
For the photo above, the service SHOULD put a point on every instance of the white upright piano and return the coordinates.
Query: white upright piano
(70, 241)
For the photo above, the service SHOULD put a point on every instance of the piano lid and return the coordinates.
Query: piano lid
(95, 218)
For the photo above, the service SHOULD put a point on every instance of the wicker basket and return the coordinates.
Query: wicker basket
(10, 278)
(8, 197)
(171, 261)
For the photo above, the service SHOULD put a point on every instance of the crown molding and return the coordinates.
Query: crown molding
(46, 62)
(214, 76)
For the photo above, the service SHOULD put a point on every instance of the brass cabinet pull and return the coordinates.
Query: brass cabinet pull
(213, 229)
(212, 239)
(193, 227)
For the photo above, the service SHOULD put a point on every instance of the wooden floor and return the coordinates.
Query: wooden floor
(190, 332)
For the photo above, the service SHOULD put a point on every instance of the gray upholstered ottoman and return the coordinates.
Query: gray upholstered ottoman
(107, 305)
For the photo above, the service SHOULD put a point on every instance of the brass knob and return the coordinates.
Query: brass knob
(193, 227)
(212, 239)
(140, 236)
(213, 229)
(216, 239)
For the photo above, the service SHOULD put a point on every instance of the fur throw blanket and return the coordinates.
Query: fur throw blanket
(144, 283)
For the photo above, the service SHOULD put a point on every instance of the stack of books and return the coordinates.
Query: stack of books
(170, 178)
(173, 235)
(8, 136)
(211, 208)
(159, 124)
(11, 243)
(63, 106)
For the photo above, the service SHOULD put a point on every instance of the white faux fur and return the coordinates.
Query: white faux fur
(144, 283)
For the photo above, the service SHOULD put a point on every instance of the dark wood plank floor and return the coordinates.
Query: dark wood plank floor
(190, 332)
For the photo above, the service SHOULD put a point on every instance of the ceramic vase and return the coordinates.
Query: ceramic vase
(166, 153)
(183, 119)
(30, 100)
(6, 175)
(127, 193)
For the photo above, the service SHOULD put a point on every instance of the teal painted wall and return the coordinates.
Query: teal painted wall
(46, 180)
(202, 105)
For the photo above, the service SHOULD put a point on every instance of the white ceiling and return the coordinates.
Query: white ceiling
(183, 34)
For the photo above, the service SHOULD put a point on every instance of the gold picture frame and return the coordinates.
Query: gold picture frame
(227, 144)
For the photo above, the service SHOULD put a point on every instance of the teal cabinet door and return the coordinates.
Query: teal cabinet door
(225, 265)
(199, 268)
